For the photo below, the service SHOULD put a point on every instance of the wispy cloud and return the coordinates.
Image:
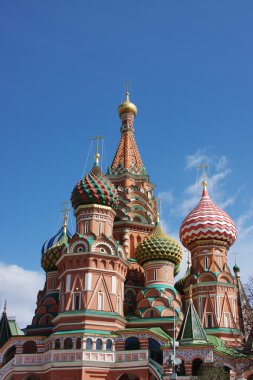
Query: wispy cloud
(197, 158)
(20, 287)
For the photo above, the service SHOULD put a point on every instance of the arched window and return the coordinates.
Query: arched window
(29, 347)
(88, 344)
(180, 369)
(155, 351)
(109, 344)
(9, 354)
(99, 344)
(57, 344)
(68, 344)
(132, 343)
(196, 366)
(79, 343)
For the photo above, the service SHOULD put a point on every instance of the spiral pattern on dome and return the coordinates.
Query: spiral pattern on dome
(94, 188)
(207, 222)
(52, 249)
(159, 246)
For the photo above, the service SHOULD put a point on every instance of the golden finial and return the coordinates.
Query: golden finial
(190, 293)
(204, 182)
(127, 106)
(65, 212)
(97, 155)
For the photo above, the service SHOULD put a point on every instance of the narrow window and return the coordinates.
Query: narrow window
(88, 344)
(155, 274)
(88, 281)
(209, 320)
(76, 301)
(68, 280)
(113, 284)
(99, 228)
(118, 305)
(86, 227)
(226, 320)
(100, 301)
(206, 262)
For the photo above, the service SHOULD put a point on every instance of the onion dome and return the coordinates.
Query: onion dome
(52, 249)
(158, 246)
(236, 268)
(95, 188)
(127, 106)
(207, 222)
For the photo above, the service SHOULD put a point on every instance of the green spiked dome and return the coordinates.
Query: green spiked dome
(94, 188)
(159, 246)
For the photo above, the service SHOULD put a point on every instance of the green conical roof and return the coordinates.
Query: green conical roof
(5, 332)
(191, 330)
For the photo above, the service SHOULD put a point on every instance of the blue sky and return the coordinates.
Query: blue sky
(63, 69)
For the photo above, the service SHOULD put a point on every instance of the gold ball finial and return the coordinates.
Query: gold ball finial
(97, 158)
(204, 184)
(127, 106)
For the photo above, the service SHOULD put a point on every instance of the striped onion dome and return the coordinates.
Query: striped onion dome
(207, 222)
(159, 246)
(52, 248)
(94, 188)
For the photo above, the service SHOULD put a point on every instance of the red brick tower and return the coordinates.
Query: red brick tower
(137, 209)
(208, 232)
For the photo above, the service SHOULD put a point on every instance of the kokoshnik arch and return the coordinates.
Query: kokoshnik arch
(110, 301)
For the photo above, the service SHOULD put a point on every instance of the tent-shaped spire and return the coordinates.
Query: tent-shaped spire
(191, 329)
(127, 157)
(5, 331)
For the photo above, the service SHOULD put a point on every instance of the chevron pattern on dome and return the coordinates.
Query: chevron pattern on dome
(158, 246)
(94, 188)
(207, 221)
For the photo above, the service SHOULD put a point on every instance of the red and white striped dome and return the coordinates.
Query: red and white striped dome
(207, 222)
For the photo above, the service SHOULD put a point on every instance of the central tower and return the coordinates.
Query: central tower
(137, 209)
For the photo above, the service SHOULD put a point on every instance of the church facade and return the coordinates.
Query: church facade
(110, 307)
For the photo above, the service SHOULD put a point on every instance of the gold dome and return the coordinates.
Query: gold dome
(127, 106)
(158, 246)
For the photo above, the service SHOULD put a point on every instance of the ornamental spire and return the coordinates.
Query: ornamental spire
(127, 157)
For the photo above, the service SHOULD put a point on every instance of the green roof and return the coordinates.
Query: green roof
(219, 346)
(15, 330)
(191, 330)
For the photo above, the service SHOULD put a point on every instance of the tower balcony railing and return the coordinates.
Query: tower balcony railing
(92, 356)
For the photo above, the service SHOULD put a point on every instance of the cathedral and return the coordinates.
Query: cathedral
(111, 308)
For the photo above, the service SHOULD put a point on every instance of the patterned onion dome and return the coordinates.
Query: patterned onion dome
(95, 188)
(160, 246)
(207, 221)
(52, 248)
